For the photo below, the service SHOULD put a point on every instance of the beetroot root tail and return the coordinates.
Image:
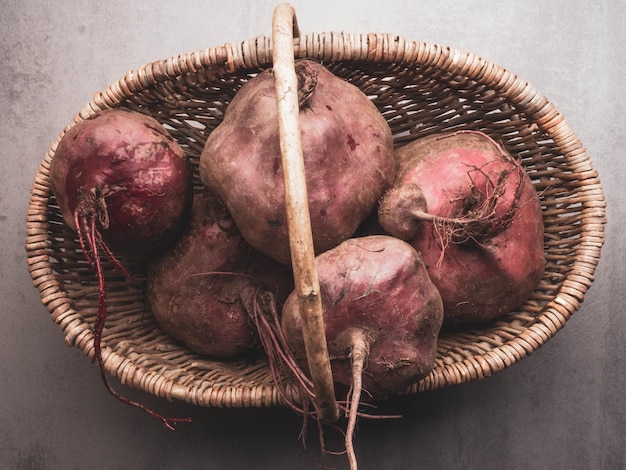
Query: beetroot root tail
(359, 354)
(91, 243)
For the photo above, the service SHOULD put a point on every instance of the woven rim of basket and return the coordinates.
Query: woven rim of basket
(503, 344)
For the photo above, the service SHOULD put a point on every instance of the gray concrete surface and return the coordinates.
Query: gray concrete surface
(561, 408)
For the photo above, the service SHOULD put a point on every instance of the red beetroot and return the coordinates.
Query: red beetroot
(375, 286)
(204, 289)
(121, 181)
(124, 172)
(382, 317)
(348, 157)
(471, 210)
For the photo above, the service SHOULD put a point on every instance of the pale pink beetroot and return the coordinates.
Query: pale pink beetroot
(473, 213)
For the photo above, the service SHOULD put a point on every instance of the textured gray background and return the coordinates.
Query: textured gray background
(562, 407)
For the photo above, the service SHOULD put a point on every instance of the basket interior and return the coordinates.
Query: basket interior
(418, 96)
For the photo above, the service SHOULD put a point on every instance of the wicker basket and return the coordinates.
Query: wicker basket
(420, 89)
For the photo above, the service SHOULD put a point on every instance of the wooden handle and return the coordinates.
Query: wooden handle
(284, 29)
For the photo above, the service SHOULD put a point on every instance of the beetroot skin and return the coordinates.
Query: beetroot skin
(348, 156)
(376, 287)
(203, 289)
(473, 213)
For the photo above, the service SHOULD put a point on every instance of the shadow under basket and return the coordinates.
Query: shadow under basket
(420, 89)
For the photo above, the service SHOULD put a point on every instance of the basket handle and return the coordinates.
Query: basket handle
(284, 29)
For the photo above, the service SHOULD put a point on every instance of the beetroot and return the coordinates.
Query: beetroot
(382, 316)
(378, 287)
(473, 213)
(203, 290)
(123, 172)
(123, 184)
(348, 157)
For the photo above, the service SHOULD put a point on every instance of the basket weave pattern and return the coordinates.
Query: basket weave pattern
(420, 89)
